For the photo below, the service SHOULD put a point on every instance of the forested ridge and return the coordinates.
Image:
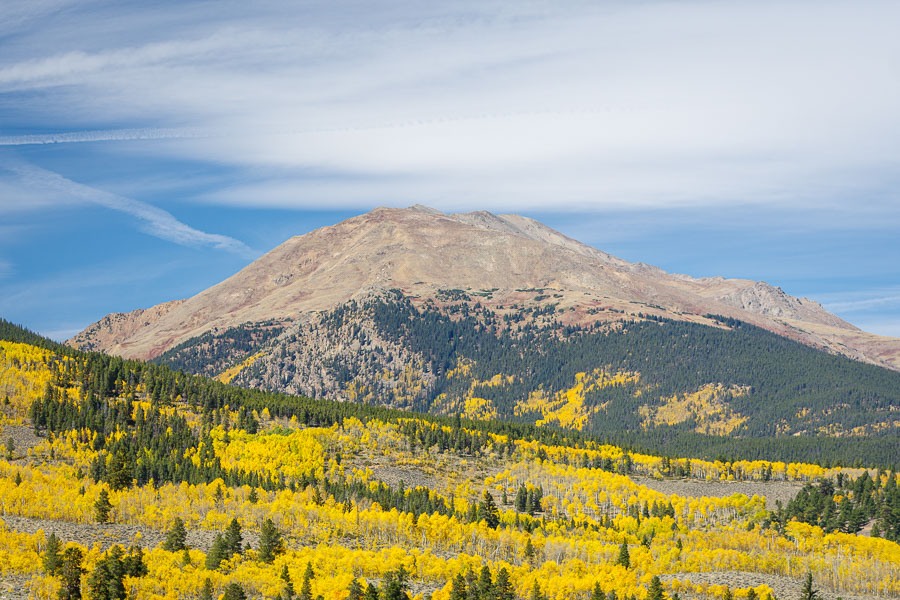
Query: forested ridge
(498, 509)
(649, 382)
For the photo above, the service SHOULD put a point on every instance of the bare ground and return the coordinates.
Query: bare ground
(772, 490)
(23, 439)
(110, 534)
(785, 588)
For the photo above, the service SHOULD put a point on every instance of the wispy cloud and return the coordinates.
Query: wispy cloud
(107, 135)
(863, 300)
(154, 221)
(487, 105)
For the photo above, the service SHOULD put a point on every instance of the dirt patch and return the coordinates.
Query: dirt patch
(785, 588)
(110, 534)
(772, 490)
(393, 474)
(14, 587)
(23, 440)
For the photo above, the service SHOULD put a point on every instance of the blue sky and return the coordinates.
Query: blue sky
(150, 149)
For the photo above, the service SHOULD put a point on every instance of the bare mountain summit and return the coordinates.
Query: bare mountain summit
(502, 260)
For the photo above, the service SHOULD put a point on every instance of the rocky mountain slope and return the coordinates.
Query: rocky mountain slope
(501, 317)
(422, 251)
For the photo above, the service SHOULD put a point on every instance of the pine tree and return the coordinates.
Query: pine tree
(102, 507)
(355, 591)
(234, 592)
(503, 589)
(52, 559)
(598, 593)
(371, 592)
(529, 550)
(118, 474)
(536, 593)
(289, 592)
(206, 593)
(217, 553)
(655, 591)
(808, 593)
(105, 581)
(270, 542)
(176, 536)
(306, 588)
(70, 572)
(521, 498)
(485, 584)
(393, 587)
(624, 558)
(233, 538)
(488, 512)
(458, 588)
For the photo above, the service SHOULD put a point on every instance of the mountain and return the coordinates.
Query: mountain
(499, 315)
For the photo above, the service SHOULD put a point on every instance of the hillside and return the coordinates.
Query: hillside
(421, 251)
(162, 485)
(525, 363)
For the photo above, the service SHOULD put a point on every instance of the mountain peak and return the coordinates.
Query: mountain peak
(422, 251)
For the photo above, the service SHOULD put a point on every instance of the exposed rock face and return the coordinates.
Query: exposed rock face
(116, 328)
(421, 251)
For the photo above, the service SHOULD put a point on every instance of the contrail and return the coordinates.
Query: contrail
(103, 135)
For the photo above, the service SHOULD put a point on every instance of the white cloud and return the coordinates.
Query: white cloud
(504, 107)
(863, 300)
(30, 183)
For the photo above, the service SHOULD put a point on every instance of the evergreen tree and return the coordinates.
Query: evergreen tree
(233, 538)
(487, 510)
(808, 593)
(656, 592)
(371, 592)
(529, 550)
(234, 592)
(598, 593)
(536, 593)
(217, 553)
(458, 588)
(102, 507)
(270, 542)
(206, 593)
(118, 474)
(503, 589)
(521, 498)
(306, 588)
(134, 562)
(355, 591)
(624, 558)
(176, 537)
(52, 559)
(394, 584)
(105, 581)
(70, 572)
(485, 584)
